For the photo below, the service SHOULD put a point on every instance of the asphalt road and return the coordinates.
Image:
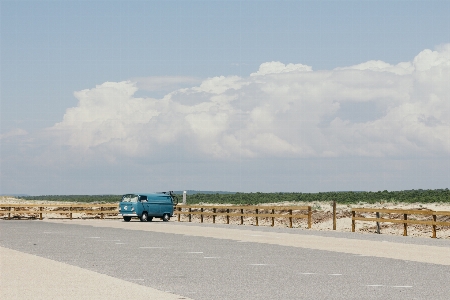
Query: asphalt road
(228, 267)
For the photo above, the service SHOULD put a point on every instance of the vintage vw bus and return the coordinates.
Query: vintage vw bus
(147, 206)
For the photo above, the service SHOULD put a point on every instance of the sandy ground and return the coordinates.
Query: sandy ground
(322, 217)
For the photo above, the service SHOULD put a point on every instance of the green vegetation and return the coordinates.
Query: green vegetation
(76, 198)
(410, 196)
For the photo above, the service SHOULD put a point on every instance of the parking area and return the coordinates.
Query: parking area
(236, 262)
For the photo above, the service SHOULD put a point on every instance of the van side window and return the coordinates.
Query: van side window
(143, 198)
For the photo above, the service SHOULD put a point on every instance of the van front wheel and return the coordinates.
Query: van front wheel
(126, 219)
(166, 217)
(144, 217)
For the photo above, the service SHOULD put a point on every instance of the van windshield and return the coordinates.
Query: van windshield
(130, 198)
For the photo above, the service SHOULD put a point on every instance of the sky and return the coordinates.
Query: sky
(113, 97)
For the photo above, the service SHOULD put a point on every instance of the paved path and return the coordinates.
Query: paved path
(111, 259)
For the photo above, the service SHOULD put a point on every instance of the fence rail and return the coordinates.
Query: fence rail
(243, 211)
(405, 221)
(17, 210)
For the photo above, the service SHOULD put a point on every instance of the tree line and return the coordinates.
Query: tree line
(407, 196)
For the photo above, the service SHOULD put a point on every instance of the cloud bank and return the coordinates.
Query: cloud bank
(373, 109)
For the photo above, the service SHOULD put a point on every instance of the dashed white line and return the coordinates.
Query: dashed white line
(374, 285)
(402, 286)
(152, 247)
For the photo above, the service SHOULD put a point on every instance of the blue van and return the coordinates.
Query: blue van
(147, 206)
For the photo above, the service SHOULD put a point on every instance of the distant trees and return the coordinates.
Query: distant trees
(409, 196)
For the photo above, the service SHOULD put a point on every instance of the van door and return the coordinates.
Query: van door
(153, 207)
(142, 205)
(167, 206)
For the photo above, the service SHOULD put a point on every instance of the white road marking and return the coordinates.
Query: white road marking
(153, 248)
(374, 285)
(402, 286)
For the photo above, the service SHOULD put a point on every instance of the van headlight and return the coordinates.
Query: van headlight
(132, 209)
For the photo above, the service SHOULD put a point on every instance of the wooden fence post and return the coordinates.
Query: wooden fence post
(290, 218)
(405, 225)
(242, 217)
(257, 223)
(228, 217)
(309, 217)
(101, 214)
(40, 213)
(353, 221)
(434, 227)
(201, 215)
(179, 213)
(378, 223)
(9, 214)
(70, 214)
(214, 216)
(334, 215)
(190, 217)
(273, 219)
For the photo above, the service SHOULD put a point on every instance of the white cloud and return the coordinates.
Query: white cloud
(164, 83)
(276, 67)
(373, 109)
(13, 133)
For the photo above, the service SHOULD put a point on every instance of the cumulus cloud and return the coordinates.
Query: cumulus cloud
(373, 109)
(13, 133)
(164, 83)
(276, 67)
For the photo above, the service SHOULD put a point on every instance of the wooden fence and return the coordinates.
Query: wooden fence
(257, 212)
(432, 215)
(38, 210)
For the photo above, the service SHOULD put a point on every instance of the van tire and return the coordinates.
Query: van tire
(166, 217)
(150, 219)
(144, 217)
(126, 219)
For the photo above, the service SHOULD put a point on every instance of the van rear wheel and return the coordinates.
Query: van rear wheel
(144, 217)
(166, 217)
(126, 219)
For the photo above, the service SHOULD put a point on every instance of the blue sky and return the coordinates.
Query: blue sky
(223, 95)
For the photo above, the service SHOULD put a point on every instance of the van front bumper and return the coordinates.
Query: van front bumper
(130, 215)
